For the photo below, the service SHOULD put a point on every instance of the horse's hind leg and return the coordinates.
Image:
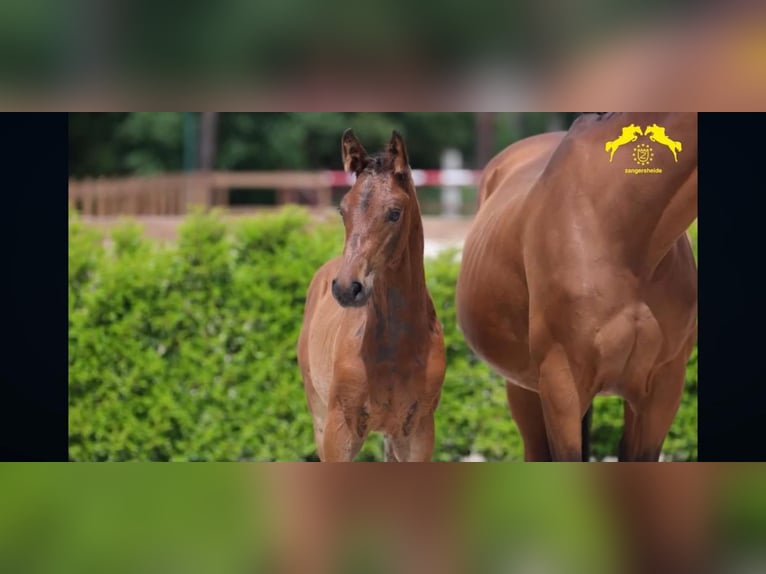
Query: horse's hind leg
(647, 423)
(587, 421)
(527, 411)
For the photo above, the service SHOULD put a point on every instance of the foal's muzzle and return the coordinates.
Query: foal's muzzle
(351, 295)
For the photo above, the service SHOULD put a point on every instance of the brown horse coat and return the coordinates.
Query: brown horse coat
(578, 279)
(371, 350)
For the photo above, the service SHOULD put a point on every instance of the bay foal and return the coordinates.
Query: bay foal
(371, 349)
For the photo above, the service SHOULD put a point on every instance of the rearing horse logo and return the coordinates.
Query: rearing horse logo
(658, 135)
(629, 134)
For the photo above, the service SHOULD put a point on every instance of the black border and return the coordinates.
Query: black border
(33, 272)
(732, 238)
(732, 229)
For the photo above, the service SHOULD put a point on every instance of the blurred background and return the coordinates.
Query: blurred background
(330, 519)
(145, 144)
(293, 55)
(192, 240)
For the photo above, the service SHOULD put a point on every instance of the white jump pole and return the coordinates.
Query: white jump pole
(451, 197)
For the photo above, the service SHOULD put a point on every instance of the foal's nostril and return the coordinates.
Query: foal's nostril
(356, 288)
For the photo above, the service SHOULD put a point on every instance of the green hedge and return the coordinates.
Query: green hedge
(186, 351)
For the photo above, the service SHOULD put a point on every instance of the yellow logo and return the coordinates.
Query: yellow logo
(629, 134)
(643, 154)
(658, 135)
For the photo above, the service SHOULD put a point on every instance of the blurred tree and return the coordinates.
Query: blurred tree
(92, 147)
(152, 142)
(190, 141)
(124, 143)
(484, 133)
(208, 140)
(428, 133)
(294, 140)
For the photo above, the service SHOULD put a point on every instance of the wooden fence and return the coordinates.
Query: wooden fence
(175, 194)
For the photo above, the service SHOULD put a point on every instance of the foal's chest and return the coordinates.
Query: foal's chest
(394, 402)
(394, 411)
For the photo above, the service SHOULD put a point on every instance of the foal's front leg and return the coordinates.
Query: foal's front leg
(418, 445)
(341, 442)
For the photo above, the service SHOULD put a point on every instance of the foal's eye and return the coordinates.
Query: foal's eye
(394, 214)
(340, 210)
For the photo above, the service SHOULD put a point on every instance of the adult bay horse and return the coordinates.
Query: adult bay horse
(371, 349)
(578, 279)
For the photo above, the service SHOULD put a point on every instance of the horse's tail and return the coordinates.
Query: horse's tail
(585, 429)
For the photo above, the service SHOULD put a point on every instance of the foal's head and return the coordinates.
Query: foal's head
(378, 212)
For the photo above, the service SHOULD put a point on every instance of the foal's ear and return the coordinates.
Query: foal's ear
(354, 154)
(398, 153)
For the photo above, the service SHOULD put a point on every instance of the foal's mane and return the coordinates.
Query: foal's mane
(379, 163)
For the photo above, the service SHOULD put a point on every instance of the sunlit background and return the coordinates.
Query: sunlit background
(192, 240)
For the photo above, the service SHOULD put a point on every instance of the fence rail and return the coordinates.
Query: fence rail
(174, 194)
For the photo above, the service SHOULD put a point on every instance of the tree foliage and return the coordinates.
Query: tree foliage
(152, 142)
